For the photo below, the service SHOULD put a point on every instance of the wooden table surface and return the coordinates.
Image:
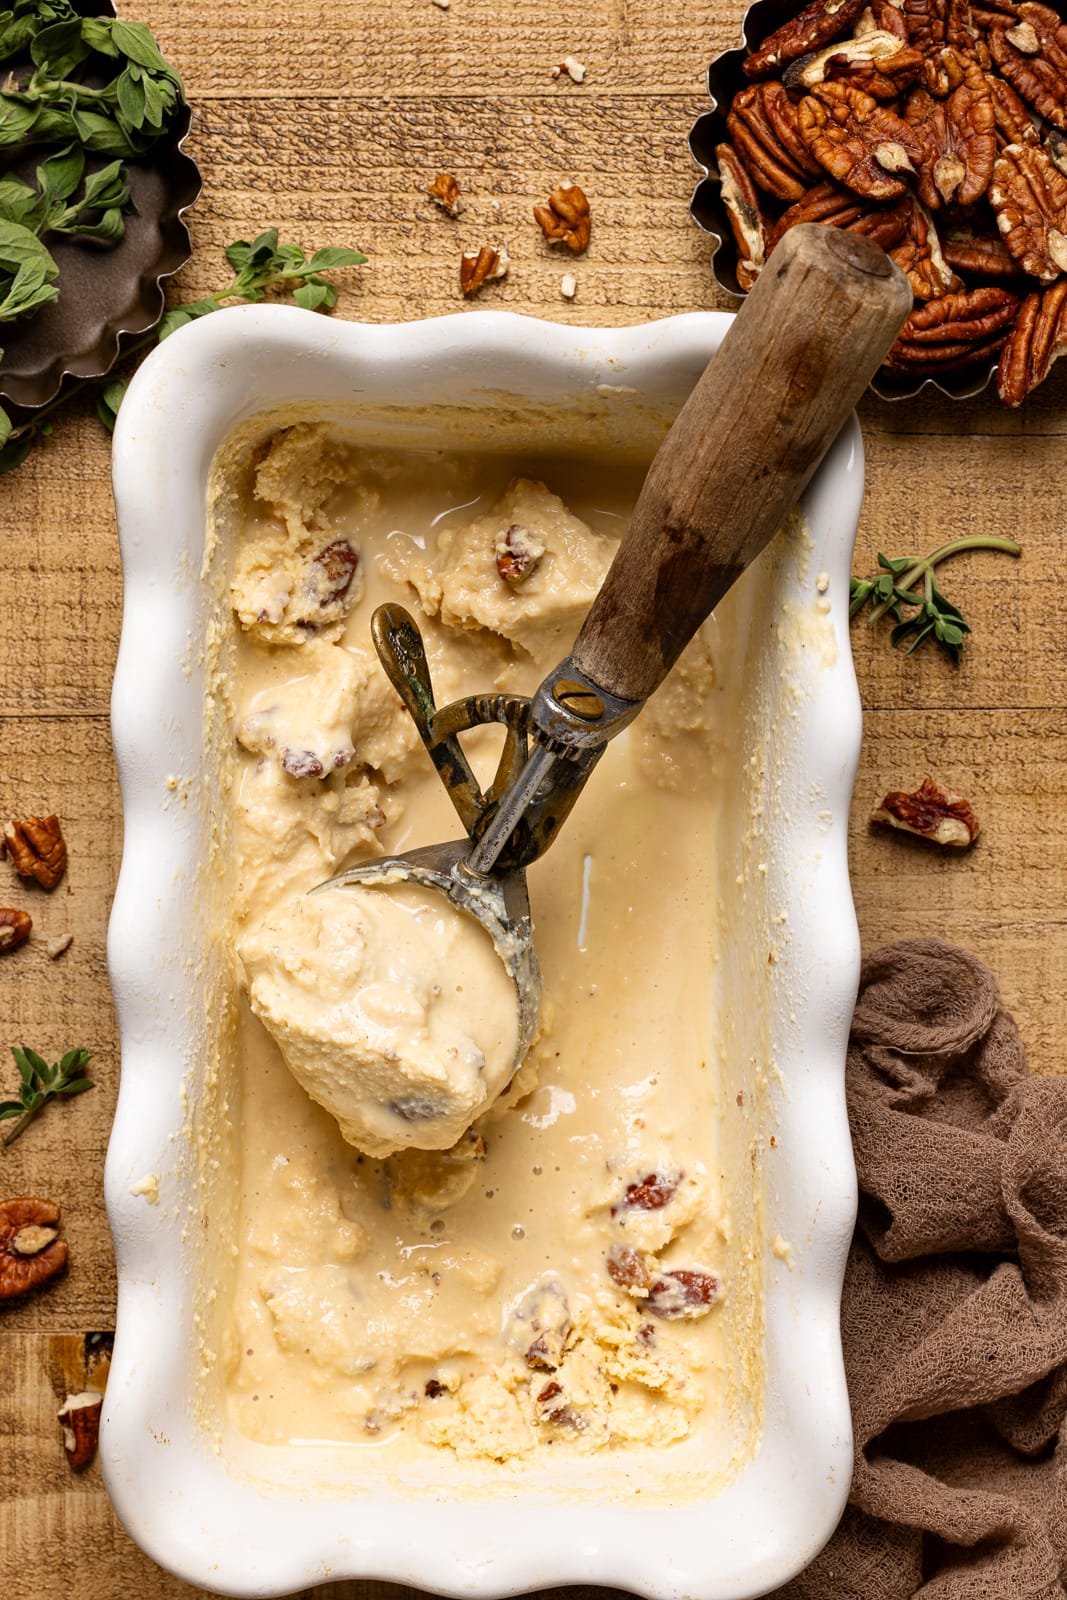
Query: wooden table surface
(328, 120)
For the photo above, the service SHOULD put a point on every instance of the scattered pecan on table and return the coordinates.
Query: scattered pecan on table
(939, 128)
(565, 219)
(37, 849)
(477, 267)
(31, 1251)
(930, 813)
(15, 928)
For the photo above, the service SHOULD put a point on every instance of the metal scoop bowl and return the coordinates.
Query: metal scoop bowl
(798, 356)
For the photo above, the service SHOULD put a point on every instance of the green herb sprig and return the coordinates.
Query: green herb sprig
(49, 104)
(904, 588)
(40, 1083)
(55, 206)
(260, 268)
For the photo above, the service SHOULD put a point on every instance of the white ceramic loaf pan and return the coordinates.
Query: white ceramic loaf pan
(255, 1520)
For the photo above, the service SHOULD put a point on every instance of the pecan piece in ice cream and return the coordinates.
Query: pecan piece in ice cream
(630, 1270)
(331, 572)
(686, 1293)
(955, 331)
(929, 813)
(1038, 338)
(763, 126)
(1033, 58)
(960, 135)
(861, 143)
(815, 26)
(37, 849)
(743, 213)
(650, 1194)
(565, 219)
(1029, 196)
(30, 1251)
(518, 554)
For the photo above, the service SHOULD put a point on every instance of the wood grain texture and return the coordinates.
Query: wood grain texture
(329, 119)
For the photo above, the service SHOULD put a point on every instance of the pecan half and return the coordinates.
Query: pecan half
(1037, 339)
(518, 554)
(975, 253)
(686, 1293)
(861, 143)
(743, 213)
(1029, 197)
(763, 126)
(80, 1420)
(959, 133)
(929, 813)
(919, 255)
(815, 26)
(37, 849)
(1014, 123)
(650, 1194)
(879, 64)
(1033, 58)
(565, 219)
(477, 267)
(883, 16)
(30, 1252)
(14, 929)
(955, 331)
(444, 191)
(933, 23)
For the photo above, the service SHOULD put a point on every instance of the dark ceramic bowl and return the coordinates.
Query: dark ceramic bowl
(108, 294)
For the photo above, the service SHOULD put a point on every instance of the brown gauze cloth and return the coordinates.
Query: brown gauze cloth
(954, 1315)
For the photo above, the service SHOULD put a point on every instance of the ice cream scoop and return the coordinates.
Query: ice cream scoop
(820, 320)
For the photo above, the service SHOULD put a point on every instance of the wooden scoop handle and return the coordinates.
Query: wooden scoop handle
(802, 349)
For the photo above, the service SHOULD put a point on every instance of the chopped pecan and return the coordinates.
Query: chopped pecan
(959, 134)
(955, 331)
(14, 929)
(433, 1388)
(565, 219)
(555, 1408)
(332, 571)
(815, 26)
(650, 1194)
(30, 1252)
(685, 1293)
(1029, 197)
(543, 1312)
(930, 813)
(975, 253)
(629, 1269)
(1037, 339)
(574, 69)
(302, 764)
(37, 849)
(54, 948)
(743, 211)
(877, 63)
(763, 126)
(919, 255)
(861, 143)
(444, 191)
(1039, 75)
(518, 554)
(477, 267)
(80, 1419)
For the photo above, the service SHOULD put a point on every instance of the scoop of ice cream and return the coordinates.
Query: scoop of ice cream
(391, 1008)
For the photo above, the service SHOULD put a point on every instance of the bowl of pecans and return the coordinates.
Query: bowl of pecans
(936, 127)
